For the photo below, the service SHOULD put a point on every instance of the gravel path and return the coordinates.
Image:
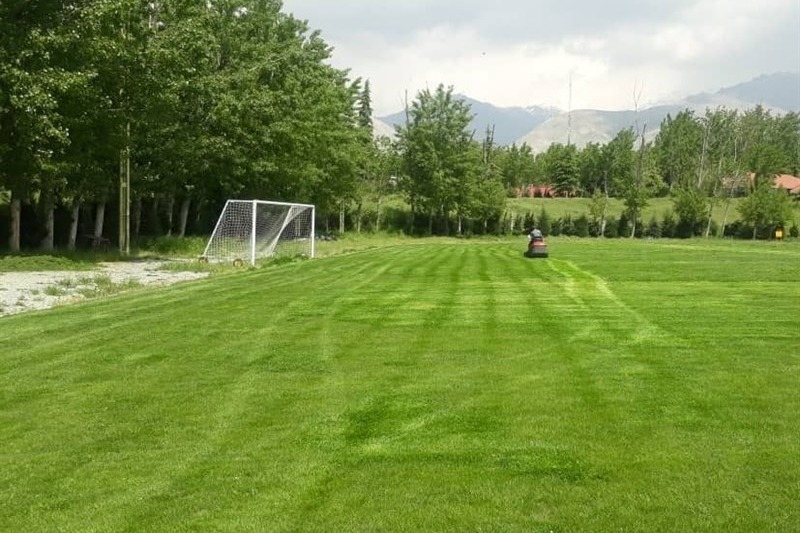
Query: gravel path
(27, 291)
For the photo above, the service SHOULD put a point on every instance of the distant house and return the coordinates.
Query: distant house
(791, 184)
(536, 191)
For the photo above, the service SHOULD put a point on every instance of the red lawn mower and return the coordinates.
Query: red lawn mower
(537, 248)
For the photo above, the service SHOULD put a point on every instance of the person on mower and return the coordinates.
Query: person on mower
(535, 234)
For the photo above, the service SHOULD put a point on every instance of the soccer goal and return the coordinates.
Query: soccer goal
(251, 229)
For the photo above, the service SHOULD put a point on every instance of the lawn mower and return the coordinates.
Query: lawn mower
(536, 248)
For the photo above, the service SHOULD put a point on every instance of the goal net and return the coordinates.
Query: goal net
(248, 230)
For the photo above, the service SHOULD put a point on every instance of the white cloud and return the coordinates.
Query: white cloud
(522, 52)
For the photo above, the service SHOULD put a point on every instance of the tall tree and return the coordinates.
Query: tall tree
(433, 143)
(32, 76)
(678, 147)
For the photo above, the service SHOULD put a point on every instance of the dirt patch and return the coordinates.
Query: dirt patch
(28, 291)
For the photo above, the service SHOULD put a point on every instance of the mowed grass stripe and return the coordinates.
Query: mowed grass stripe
(444, 387)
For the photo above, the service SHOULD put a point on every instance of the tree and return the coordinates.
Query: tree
(433, 143)
(593, 169)
(564, 170)
(678, 147)
(765, 208)
(692, 209)
(517, 166)
(32, 76)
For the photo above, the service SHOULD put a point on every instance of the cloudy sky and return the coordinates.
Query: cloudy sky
(524, 52)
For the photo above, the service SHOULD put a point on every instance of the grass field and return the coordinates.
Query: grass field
(632, 386)
(656, 207)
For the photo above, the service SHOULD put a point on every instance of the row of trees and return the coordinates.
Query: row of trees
(700, 161)
(174, 106)
(192, 102)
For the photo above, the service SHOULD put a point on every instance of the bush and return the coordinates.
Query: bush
(567, 226)
(668, 226)
(684, 229)
(612, 228)
(528, 222)
(653, 228)
(794, 231)
(714, 228)
(556, 227)
(544, 222)
(581, 226)
(623, 226)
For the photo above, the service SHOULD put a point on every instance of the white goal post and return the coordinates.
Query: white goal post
(251, 229)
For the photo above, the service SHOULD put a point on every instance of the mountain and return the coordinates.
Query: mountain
(381, 128)
(778, 92)
(540, 126)
(590, 125)
(509, 123)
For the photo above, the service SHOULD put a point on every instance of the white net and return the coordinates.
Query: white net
(248, 230)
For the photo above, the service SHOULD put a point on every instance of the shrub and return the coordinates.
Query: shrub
(544, 222)
(668, 225)
(623, 226)
(581, 226)
(612, 228)
(556, 227)
(653, 228)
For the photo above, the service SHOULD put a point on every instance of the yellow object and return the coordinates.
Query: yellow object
(779, 233)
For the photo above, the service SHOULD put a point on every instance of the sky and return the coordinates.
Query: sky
(615, 54)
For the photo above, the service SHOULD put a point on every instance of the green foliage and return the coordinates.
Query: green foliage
(581, 226)
(543, 222)
(517, 166)
(765, 209)
(561, 168)
(678, 145)
(669, 227)
(653, 228)
(692, 210)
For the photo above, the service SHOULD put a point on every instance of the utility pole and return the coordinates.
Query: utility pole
(569, 112)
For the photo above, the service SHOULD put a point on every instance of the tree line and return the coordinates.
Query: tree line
(192, 103)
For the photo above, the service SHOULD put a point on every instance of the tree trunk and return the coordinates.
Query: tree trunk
(710, 216)
(99, 219)
(378, 215)
(358, 218)
(136, 217)
(341, 218)
(47, 244)
(460, 225)
(184, 216)
(73, 225)
(633, 227)
(170, 209)
(430, 222)
(155, 218)
(16, 223)
(755, 231)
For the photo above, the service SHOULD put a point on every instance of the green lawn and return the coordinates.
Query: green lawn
(632, 386)
(658, 207)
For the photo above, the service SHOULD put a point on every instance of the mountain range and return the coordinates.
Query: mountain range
(540, 126)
